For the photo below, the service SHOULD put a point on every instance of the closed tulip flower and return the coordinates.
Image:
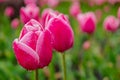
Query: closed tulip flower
(9, 11)
(75, 9)
(31, 11)
(112, 1)
(33, 49)
(53, 3)
(86, 45)
(61, 31)
(111, 24)
(87, 22)
(99, 2)
(2, 1)
(15, 23)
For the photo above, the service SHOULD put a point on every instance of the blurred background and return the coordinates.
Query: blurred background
(93, 57)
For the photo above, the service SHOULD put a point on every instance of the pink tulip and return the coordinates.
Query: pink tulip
(112, 1)
(53, 3)
(33, 49)
(75, 9)
(9, 11)
(118, 14)
(111, 24)
(91, 2)
(99, 2)
(42, 2)
(86, 45)
(87, 22)
(15, 23)
(30, 1)
(2, 1)
(98, 14)
(107, 8)
(31, 11)
(63, 36)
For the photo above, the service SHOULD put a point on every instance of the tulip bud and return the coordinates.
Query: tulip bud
(107, 9)
(87, 22)
(31, 11)
(112, 1)
(99, 2)
(9, 11)
(75, 9)
(15, 23)
(63, 36)
(111, 24)
(33, 49)
(86, 45)
(2, 1)
(98, 14)
(53, 3)
(42, 2)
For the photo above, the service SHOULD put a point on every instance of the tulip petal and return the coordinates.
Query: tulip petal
(23, 32)
(30, 39)
(26, 56)
(44, 48)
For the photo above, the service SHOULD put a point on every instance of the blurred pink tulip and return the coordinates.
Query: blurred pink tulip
(62, 33)
(15, 23)
(118, 14)
(111, 24)
(31, 11)
(9, 11)
(33, 49)
(2, 1)
(107, 8)
(53, 3)
(98, 14)
(86, 45)
(99, 2)
(75, 9)
(112, 1)
(42, 2)
(44, 15)
(87, 22)
(30, 1)
(91, 2)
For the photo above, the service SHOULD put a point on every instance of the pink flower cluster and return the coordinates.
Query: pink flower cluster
(33, 48)
(87, 21)
(52, 31)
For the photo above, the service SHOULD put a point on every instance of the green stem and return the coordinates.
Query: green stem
(36, 74)
(64, 66)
